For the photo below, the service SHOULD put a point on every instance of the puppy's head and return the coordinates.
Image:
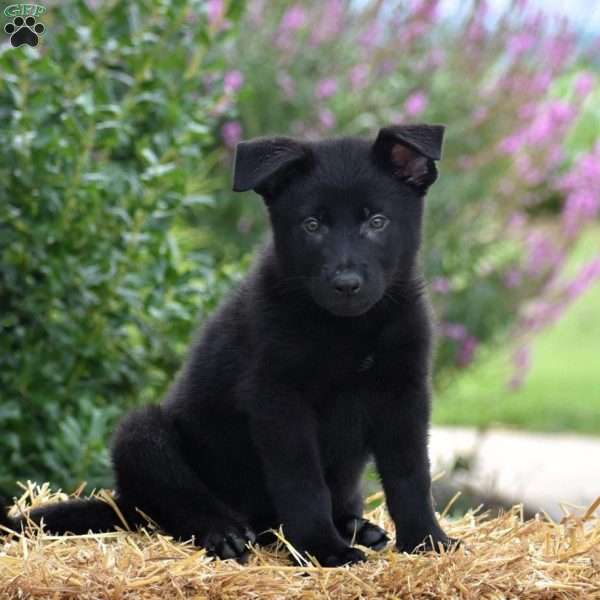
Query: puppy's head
(346, 213)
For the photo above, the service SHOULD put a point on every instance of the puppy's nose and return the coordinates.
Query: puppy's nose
(347, 283)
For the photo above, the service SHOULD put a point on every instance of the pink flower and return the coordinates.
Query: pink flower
(556, 115)
(329, 23)
(191, 17)
(326, 118)
(231, 133)
(287, 84)
(256, 11)
(520, 43)
(476, 31)
(558, 49)
(466, 353)
(541, 82)
(387, 67)
(527, 111)
(414, 30)
(326, 88)
(426, 10)
(480, 115)
(581, 205)
(233, 81)
(454, 331)
(555, 154)
(587, 276)
(584, 84)
(513, 278)
(216, 13)
(465, 162)
(371, 36)
(550, 122)
(517, 221)
(507, 187)
(522, 364)
(359, 76)
(542, 313)
(527, 172)
(585, 172)
(440, 285)
(543, 254)
(293, 19)
(583, 195)
(522, 357)
(435, 58)
(416, 103)
(512, 143)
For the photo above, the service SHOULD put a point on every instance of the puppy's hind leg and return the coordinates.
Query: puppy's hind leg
(154, 476)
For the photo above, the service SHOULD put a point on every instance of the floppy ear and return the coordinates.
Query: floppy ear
(261, 163)
(409, 151)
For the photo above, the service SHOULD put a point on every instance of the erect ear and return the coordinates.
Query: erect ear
(409, 151)
(261, 163)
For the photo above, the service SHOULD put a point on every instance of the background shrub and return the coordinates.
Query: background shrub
(105, 144)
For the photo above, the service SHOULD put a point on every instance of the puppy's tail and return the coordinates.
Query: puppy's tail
(78, 516)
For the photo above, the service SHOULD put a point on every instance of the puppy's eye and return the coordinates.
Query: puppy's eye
(378, 222)
(311, 225)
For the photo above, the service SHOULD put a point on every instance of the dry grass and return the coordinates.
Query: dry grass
(503, 557)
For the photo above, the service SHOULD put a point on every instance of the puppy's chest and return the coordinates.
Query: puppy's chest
(343, 376)
(342, 423)
(342, 363)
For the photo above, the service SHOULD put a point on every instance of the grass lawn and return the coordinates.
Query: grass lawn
(562, 391)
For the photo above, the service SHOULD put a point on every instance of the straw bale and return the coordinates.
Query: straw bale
(501, 557)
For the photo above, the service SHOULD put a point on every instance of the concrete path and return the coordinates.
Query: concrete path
(540, 470)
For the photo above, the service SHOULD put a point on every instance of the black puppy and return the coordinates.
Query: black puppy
(319, 360)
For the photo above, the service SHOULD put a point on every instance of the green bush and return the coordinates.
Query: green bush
(105, 146)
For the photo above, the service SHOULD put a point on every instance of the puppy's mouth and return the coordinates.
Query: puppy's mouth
(342, 305)
(349, 308)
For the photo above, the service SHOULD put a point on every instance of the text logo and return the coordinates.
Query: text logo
(25, 28)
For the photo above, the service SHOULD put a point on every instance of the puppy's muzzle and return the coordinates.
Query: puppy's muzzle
(347, 283)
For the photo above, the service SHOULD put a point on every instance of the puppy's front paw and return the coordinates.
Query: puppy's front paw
(348, 556)
(363, 532)
(229, 542)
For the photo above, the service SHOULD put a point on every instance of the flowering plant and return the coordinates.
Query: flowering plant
(517, 188)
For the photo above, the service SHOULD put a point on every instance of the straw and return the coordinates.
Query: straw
(501, 557)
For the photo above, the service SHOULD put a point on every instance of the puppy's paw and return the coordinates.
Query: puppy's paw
(348, 556)
(364, 533)
(229, 542)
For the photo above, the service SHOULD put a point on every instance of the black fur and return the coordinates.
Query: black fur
(318, 361)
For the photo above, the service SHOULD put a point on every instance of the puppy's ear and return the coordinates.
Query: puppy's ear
(262, 163)
(409, 151)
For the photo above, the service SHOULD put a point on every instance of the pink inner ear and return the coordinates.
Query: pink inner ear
(409, 163)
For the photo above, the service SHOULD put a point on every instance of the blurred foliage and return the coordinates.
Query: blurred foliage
(118, 232)
(553, 397)
(106, 144)
(516, 91)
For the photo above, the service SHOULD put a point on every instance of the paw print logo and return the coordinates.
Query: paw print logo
(24, 31)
